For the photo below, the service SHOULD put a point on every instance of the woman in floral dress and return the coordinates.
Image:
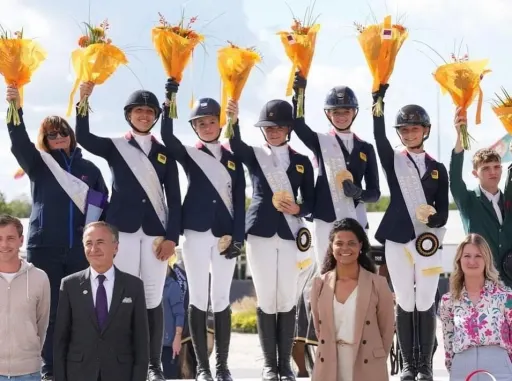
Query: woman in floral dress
(477, 315)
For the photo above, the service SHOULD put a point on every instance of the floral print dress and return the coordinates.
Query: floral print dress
(488, 323)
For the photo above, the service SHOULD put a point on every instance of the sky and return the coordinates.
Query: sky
(483, 26)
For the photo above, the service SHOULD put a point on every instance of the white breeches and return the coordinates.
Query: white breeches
(136, 257)
(202, 257)
(406, 273)
(321, 240)
(273, 263)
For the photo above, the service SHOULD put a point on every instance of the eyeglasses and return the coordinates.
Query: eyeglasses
(64, 132)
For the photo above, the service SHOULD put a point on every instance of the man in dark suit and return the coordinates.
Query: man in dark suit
(101, 330)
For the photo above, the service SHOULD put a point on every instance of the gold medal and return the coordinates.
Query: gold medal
(157, 242)
(424, 211)
(342, 176)
(281, 196)
(224, 243)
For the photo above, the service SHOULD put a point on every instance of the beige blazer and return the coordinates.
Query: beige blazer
(374, 327)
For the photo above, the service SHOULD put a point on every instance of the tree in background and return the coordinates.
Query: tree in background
(19, 207)
(383, 203)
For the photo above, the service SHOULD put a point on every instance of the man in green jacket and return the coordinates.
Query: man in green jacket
(484, 210)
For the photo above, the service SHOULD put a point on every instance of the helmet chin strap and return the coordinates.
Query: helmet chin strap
(288, 137)
(147, 132)
(342, 129)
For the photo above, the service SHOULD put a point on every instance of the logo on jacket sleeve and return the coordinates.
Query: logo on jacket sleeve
(299, 168)
(161, 158)
(231, 165)
(435, 174)
(363, 157)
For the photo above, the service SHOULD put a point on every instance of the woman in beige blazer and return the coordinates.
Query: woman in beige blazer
(353, 310)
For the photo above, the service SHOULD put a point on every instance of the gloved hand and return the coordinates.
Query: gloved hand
(299, 82)
(233, 251)
(435, 221)
(171, 86)
(380, 93)
(351, 190)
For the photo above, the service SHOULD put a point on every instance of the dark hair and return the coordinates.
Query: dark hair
(54, 123)
(6, 220)
(349, 225)
(103, 224)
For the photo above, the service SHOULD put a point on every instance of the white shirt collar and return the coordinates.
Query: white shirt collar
(492, 197)
(214, 148)
(281, 150)
(109, 274)
(345, 136)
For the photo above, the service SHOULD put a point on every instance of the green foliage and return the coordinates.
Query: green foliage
(19, 207)
(383, 203)
(243, 319)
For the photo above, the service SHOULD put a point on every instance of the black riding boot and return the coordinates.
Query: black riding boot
(198, 333)
(222, 321)
(405, 332)
(285, 336)
(267, 332)
(156, 337)
(427, 339)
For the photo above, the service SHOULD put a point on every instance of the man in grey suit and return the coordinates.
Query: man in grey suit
(101, 329)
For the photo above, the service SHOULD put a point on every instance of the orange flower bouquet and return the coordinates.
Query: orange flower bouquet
(175, 45)
(380, 44)
(461, 79)
(299, 45)
(503, 109)
(19, 59)
(235, 65)
(95, 61)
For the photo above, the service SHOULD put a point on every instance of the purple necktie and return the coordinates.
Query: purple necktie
(101, 302)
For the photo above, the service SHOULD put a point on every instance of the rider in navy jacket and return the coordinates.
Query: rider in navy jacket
(208, 221)
(146, 241)
(56, 224)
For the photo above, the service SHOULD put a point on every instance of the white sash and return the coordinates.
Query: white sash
(146, 175)
(334, 162)
(278, 180)
(414, 196)
(216, 173)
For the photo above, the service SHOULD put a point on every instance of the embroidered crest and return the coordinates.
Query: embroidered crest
(299, 168)
(435, 174)
(363, 157)
(231, 165)
(162, 158)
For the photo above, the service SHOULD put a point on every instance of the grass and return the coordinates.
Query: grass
(243, 319)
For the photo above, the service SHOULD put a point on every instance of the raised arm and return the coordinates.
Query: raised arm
(303, 131)
(307, 190)
(23, 149)
(174, 146)
(96, 145)
(173, 195)
(371, 178)
(384, 149)
(240, 149)
(446, 315)
(62, 333)
(239, 204)
(458, 187)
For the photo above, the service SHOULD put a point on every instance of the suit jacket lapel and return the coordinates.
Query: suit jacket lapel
(364, 292)
(430, 166)
(86, 294)
(486, 203)
(328, 298)
(291, 166)
(356, 149)
(117, 295)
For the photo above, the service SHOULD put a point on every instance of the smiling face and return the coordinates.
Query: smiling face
(341, 118)
(142, 117)
(10, 243)
(412, 136)
(207, 128)
(276, 136)
(100, 247)
(55, 134)
(346, 247)
(472, 261)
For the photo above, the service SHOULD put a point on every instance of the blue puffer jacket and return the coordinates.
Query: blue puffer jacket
(55, 220)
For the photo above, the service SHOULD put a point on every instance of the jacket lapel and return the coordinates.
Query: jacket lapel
(327, 296)
(117, 295)
(430, 165)
(291, 166)
(355, 150)
(486, 203)
(86, 294)
(364, 292)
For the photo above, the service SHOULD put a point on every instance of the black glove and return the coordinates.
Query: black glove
(435, 221)
(380, 93)
(171, 86)
(233, 251)
(351, 190)
(299, 82)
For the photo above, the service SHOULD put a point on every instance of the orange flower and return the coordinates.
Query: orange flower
(83, 41)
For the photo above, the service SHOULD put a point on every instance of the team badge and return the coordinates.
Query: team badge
(299, 168)
(363, 157)
(161, 158)
(435, 174)
(231, 165)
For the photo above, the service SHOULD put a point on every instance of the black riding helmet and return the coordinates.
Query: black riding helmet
(412, 115)
(142, 98)
(341, 97)
(276, 113)
(204, 107)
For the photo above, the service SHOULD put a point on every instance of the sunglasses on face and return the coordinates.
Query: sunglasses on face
(63, 132)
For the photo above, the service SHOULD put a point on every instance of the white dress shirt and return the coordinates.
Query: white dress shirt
(419, 160)
(495, 200)
(215, 148)
(144, 142)
(282, 154)
(347, 139)
(108, 283)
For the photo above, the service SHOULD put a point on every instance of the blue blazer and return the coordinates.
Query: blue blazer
(55, 220)
(396, 225)
(130, 208)
(263, 219)
(361, 162)
(174, 310)
(203, 208)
